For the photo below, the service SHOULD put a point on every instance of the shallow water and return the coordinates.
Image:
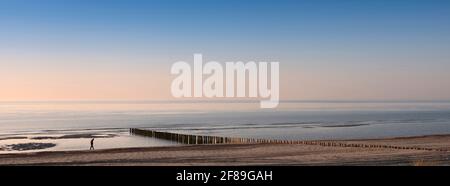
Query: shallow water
(120, 139)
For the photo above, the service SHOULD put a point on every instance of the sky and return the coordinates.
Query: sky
(123, 49)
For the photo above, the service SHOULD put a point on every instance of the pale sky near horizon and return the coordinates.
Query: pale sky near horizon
(123, 50)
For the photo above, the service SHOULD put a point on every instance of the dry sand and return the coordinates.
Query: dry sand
(254, 154)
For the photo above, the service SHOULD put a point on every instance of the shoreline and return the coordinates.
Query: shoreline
(254, 154)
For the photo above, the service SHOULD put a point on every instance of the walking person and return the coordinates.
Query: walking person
(92, 144)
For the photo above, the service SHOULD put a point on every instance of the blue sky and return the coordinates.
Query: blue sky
(325, 40)
(203, 24)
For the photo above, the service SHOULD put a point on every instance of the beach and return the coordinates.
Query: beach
(318, 133)
(417, 151)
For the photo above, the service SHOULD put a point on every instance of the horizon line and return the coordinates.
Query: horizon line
(227, 100)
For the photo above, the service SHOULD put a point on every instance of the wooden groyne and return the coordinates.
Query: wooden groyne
(199, 139)
(194, 139)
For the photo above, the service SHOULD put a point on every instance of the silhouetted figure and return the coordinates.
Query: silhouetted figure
(92, 144)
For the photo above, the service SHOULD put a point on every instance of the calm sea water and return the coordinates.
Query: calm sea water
(291, 120)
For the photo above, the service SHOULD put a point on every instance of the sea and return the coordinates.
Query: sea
(70, 125)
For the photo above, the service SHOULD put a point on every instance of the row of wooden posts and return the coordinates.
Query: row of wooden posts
(198, 139)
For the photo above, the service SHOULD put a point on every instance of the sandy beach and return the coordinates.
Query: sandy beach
(417, 151)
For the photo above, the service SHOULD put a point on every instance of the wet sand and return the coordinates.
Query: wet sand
(437, 153)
